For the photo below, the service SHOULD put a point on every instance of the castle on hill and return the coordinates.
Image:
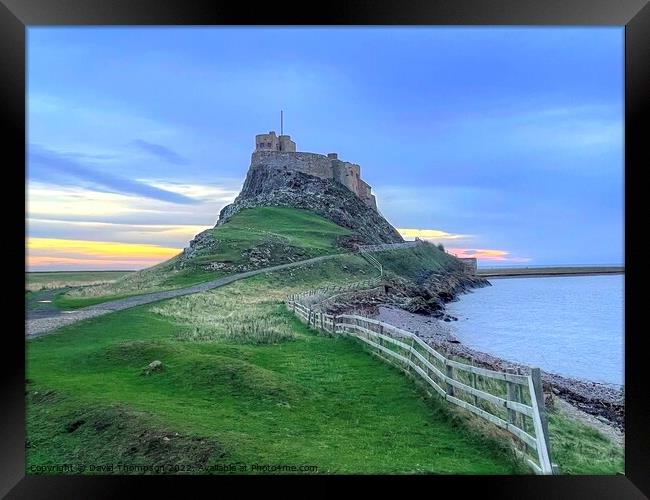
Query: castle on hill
(280, 152)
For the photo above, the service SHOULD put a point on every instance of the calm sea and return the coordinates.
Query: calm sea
(572, 326)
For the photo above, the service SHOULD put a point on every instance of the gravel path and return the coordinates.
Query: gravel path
(41, 304)
(36, 327)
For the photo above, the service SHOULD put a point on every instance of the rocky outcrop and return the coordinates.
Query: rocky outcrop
(426, 296)
(289, 188)
(204, 242)
(271, 251)
(153, 367)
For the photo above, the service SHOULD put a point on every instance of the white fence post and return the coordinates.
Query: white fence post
(539, 420)
(512, 396)
(411, 355)
(474, 384)
(450, 374)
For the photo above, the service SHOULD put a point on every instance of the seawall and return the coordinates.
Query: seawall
(548, 271)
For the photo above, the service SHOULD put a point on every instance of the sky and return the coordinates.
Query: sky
(504, 143)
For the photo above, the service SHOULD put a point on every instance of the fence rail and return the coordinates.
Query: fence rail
(372, 260)
(511, 401)
(387, 246)
(312, 298)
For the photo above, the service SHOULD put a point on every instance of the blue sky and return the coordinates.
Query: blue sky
(506, 143)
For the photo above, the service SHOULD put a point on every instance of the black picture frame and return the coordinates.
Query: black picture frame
(17, 15)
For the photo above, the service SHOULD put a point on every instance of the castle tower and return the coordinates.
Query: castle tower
(286, 144)
(271, 142)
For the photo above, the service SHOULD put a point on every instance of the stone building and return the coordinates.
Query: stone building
(271, 142)
(280, 153)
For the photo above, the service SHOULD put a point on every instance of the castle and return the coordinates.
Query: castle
(280, 152)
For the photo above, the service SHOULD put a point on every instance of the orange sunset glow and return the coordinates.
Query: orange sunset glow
(94, 254)
(486, 254)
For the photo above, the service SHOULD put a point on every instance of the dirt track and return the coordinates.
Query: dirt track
(36, 326)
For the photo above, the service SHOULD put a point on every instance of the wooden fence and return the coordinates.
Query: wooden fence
(312, 298)
(387, 246)
(512, 401)
(372, 260)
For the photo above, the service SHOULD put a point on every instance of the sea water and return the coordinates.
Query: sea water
(569, 325)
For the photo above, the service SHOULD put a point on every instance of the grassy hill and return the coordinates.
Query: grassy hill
(412, 262)
(255, 237)
(287, 230)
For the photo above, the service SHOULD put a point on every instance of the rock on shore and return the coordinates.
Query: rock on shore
(427, 294)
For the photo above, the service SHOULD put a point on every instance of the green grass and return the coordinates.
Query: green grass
(118, 433)
(580, 449)
(35, 281)
(189, 278)
(308, 399)
(411, 262)
(314, 401)
(301, 230)
(163, 276)
(66, 302)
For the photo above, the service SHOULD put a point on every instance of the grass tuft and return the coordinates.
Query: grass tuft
(35, 281)
(228, 315)
(580, 449)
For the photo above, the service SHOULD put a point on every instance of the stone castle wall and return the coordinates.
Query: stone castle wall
(325, 167)
(272, 142)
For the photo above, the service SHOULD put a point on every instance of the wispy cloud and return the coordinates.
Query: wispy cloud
(82, 228)
(439, 200)
(170, 235)
(486, 254)
(482, 254)
(86, 156)
(161, 152)
(65, 167)
(563, 133)
(205, 192)
(431, 234)
(47, 201)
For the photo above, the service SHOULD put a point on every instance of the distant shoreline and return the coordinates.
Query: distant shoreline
(510, 272)
(85, 271)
